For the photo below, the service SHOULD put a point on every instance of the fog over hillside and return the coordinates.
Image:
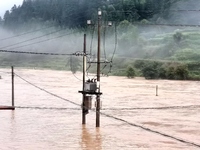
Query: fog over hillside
(137, 39)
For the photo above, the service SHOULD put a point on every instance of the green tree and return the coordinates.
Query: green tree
(7, 17)
(1, 21)
(151, 70)
(74, 13)
(171, 72)
(130, 72)
(182, 72)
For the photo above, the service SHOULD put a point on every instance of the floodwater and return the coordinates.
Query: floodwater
(39, 123)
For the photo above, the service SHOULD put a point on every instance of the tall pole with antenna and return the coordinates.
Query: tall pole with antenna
(98, 70)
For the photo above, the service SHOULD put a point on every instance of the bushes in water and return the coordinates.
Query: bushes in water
(130, 72)
(156, 70)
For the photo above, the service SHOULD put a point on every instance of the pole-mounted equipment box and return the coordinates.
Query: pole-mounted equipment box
(88, 102)
(90, 86)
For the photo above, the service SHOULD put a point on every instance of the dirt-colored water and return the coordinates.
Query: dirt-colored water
(56, 129)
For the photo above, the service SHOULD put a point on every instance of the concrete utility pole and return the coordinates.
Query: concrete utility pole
(98, 70)
(84, 70)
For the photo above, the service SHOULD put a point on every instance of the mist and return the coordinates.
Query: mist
(158, 40)
(148, 39)
(52, 39)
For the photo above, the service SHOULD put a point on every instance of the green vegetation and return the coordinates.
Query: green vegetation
(74, 13)
(158, 51)
(151, 69)
(130, 72)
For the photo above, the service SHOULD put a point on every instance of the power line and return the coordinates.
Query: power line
(155, 108)
(186, 10)
(118, 109)
(25, 33)
(36, 53)
(44, 40)
(153, 131)
(181, 25)
(91, 45)
(37, 37)
(170, 25)
(31, 39)
(47, 91)
(46, 108)
(150, 11)
(115, 48)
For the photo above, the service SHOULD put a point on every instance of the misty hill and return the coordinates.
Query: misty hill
(162, 30)
(74, 13)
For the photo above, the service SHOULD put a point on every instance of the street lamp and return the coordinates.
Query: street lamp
(89, 22)
(109, 23)
(99, 12)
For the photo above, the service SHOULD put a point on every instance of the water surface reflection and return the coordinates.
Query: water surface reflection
(91, 140)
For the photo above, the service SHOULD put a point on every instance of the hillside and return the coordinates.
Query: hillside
(168, 32)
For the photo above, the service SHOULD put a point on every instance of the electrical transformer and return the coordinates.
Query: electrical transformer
(90, 86)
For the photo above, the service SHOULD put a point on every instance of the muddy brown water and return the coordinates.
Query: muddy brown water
(32, 128)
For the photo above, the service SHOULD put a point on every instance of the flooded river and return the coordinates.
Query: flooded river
(42, 121)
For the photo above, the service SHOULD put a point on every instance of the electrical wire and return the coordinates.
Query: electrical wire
(115, 48)
(167, 25)
(36, 37)
(36, 53)
(52, 94)
(153, 131)
(91, 45)
(155, 108)
(25, 33)
(32, 39)
(185, 10)
(89, 59)
(46, 108)
(111, 109)
(45, 40)
(37, 29)
(104, 48)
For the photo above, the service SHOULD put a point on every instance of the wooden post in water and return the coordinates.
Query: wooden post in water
(156, 90)
(84, 70)
(12, 76)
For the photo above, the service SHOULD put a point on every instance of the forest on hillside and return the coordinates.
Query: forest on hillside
(74, 13)
(159, 34)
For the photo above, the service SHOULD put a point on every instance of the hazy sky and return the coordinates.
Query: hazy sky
(7, 5)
